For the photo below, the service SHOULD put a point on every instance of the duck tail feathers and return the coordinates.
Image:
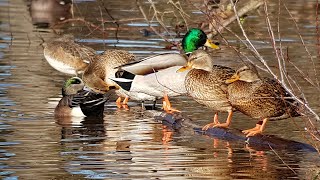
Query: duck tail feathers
(123, 83)
(124, 74)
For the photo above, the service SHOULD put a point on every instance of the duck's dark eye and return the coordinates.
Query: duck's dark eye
(217, 43)
(76, 81)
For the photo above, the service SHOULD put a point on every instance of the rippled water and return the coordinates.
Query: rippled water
(127, 144)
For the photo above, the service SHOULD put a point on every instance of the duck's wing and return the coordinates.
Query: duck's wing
(80, 51)
(155, 84)
(154, 63)
(87, 98)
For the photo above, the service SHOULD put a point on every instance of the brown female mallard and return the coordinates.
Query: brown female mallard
(205, 83)
(67, 56)
(259, 98)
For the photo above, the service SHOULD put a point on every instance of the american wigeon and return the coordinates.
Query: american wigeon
(77, 101)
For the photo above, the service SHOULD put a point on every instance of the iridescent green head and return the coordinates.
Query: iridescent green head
(194, 39)
(72, 86)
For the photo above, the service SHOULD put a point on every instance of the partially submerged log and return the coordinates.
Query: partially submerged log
(179, 122)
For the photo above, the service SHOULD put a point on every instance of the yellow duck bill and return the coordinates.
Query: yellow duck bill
(234, 78)
(210, 44)
(184, 68)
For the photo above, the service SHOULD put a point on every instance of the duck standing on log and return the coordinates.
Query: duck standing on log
(205, 83)
(156, 76)
(260, 98)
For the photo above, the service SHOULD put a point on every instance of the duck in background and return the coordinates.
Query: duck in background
(155, 77)
(260, 98)
(205, 83)
(67, 56)
(79, 102)
(47, 13)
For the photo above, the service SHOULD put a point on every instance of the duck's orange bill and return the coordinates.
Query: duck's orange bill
(234, 78)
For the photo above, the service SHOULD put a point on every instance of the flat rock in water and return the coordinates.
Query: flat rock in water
(178, 121)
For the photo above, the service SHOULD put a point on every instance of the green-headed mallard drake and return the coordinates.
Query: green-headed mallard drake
(66, 56)
(259, 98)
(77, 101)
(156, 76)
(205, 83)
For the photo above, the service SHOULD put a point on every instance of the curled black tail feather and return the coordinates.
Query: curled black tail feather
(124, 85)
(124, 74)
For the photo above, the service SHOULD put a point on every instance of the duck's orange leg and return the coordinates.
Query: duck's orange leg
(166, 105)
(125, 103)
(122, 104)
(260, 126)
(118, 102)
(216, 123)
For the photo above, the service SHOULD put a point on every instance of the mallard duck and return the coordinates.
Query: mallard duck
(78, 102)
(66, 56)
(205, 83)
(97, 75)
(156, 75)
(259, 98)
(151, 80)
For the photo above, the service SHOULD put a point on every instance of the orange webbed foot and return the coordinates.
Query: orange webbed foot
(118, 102)
(166, 105)
(260, 126)
(170, 110)
(216, 122)
(213, 125)
(123, 104)
(207, 126)
(249, 132)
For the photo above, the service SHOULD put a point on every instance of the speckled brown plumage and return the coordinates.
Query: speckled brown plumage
(260, 98)
(97, 74)
(206, 84)
(209, 87)
(264, 98)
(66, 51)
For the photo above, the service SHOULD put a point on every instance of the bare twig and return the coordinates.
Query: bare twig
(317, 27)
(304, 45)
(261, 59)
(282, 159)
(113, 19)
(149, 23)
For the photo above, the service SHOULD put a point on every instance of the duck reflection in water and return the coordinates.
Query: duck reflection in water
(46, 13)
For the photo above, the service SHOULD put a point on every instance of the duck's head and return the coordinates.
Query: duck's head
(194, 39)
(199, 59)
(247, 73)
(72, 86)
